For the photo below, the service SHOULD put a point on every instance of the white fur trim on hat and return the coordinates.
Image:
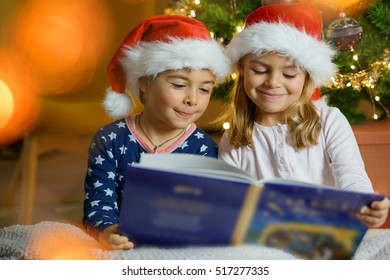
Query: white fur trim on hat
(152, 58)
(117, 104)
(312, 55)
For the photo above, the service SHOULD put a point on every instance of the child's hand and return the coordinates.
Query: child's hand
(376, 214)
(110, 239)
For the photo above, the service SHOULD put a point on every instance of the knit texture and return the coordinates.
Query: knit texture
(53, 240)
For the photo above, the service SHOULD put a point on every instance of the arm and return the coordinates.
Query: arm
(344, 155)
(100, 202)
(348, 167)
(104, 183)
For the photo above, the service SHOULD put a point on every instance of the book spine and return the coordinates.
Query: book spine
(246, 214)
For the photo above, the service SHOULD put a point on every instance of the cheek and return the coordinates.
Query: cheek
(296, 88)
(203, 101)
(165, 98)
(250, 85)
(251, 81)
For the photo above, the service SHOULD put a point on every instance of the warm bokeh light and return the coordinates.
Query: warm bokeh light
(61, 41)
(25, 104)
(226, 126)
(61, 241)
(330, 9)
(6, 104)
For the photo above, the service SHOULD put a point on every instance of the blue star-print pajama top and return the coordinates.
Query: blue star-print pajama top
(113, 148)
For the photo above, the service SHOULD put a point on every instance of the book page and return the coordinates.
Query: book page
(194, 164)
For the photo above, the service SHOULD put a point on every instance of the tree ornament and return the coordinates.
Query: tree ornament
(345, 32)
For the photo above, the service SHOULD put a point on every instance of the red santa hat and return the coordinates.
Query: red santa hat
(294, 30)
(160, 43)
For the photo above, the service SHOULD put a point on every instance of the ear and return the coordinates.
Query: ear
(142, 84)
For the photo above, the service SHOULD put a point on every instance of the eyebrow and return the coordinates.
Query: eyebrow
(292, 65)
(187, 79)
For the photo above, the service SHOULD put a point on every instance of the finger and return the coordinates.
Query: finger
(371, 221)
(118, 239)
(381, 205)
(123, 246)
(373, 212)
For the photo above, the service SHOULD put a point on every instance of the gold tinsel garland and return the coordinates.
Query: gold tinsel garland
(365, 78)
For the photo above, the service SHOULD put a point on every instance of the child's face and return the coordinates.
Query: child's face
(176, 98)
(273, 83)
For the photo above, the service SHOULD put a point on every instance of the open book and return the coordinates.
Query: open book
(188, 200)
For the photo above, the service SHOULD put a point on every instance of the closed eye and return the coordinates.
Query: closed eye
(205, 90)
(259, 71)
(178, 86)
(290, 76)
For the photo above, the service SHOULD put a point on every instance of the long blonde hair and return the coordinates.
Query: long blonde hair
(302, 119)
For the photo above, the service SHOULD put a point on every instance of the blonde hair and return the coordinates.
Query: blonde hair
(302, 119)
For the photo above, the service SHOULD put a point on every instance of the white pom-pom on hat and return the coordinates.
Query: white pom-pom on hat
(117, 104)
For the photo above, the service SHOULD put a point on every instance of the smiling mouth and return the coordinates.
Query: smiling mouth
(271, 95)
(184, 114)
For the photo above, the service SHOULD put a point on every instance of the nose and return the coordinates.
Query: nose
(191, 98)
(272, 80)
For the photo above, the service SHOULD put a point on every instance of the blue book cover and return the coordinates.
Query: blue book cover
(185, 200)
(172, 209)
(309, 222)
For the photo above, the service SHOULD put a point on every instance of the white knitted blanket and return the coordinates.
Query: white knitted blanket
(53, 240)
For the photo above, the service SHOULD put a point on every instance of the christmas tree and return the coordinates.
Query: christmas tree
(364, 64)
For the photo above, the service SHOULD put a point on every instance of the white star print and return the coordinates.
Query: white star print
(111, 175)
(95, 203)
(98, 223)
(199, 135)
(97, 184)
(91, 214)
(184, 145)
(90, 171)
(110, 154)
(123, 149)
(116, 205)
(104, 138)
(132, 138)
(112, 135)
(93, 144)
(121, 124)
(108, 192)
(203, 148)
(106, 208)
(99, 160)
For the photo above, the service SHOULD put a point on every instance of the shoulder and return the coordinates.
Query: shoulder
(200, 134)
(199, 142)
(333, 122)
(116, 127)
(329, 115)
(112, 134)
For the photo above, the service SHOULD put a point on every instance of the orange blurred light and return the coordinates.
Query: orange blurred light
(6, 104)
(25, 111)
(62, 41)
(331, 9)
